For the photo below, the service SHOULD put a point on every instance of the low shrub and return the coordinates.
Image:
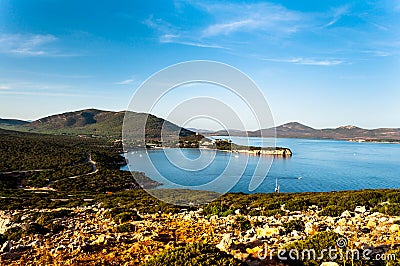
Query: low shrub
(14, 233)
(55, 227)
(196, 254)
(389, 209)
(126, 228)
(35, 228)
(217, 208)
(2, 239)
(332, 210)
(126, 217)
(292, 225)
(242, 223)
(297, 204)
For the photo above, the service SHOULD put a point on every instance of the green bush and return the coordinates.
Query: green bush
(393, 197)
(2, 239)
(332, 210)
(242, 223)
(55, 228)
(292, 225)
(217, 208)
(126, 217)
(196, 254)
(392, 209)
(35, 228)
(267, 213)
(126, 228)
(46, 218)
(14, 233)
(297, 204)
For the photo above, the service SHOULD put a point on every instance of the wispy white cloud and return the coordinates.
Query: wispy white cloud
(44, 89)
(261, 17)
(173, 38)
(307, 61)
(266, 18)
(269, 27)
(30, 45)
(337, 13)
(159, 25)
(378, 53)
(230, 27)
(34, 86)
(379, 26)
(171, 34)
(166, 38)
(56, 75)
(25, 45)
(320, 62)
(126, 82)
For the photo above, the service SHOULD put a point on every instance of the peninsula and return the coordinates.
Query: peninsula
(227, 145)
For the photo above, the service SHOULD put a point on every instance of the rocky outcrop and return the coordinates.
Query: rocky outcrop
(90, 235)
(5, 218)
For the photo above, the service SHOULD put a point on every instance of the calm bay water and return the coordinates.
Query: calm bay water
(316, 165)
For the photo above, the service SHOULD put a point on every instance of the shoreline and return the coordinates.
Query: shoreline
(373, 141)
(279, 151)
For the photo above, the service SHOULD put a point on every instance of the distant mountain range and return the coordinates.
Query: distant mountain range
(109, 123)
(297, 130)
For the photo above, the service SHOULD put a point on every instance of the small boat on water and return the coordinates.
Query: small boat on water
(276, 186)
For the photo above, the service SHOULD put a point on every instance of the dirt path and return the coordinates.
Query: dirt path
(88, 160)
(23, 171)
(94, 168)
(93, 163)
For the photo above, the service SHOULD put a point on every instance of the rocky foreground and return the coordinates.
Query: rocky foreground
(89, 236)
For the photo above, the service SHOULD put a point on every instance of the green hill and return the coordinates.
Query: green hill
(101, 123)
(83, 122)
(12, 122)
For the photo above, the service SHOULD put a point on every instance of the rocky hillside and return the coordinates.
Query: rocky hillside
(94, 235)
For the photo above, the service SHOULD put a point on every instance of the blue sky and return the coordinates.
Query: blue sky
(322, 63)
